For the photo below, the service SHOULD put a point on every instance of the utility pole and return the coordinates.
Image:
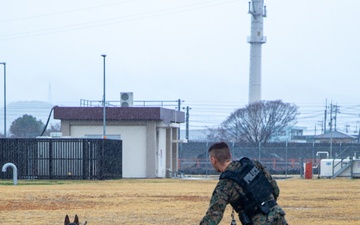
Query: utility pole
(333, 109)
(179, 109)
(337, 110)
(179, 104)
(104, 99)
(4, 63)
(322, 126)
(331, 118)
(325, 114)
(347, 128)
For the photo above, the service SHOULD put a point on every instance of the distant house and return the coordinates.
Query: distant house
(334, 137)
(149, 134)
(290, 134)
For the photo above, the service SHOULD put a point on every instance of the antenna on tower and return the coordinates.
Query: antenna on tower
(265, 11)
(49, 94)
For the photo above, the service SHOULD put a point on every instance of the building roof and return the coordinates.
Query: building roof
(334, 135)
(119, 113)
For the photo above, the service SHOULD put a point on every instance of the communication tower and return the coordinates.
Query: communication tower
(256, 39)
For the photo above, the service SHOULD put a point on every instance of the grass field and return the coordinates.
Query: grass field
(167, 201)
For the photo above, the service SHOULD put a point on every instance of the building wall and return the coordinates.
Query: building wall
(146, 144)
(150, 153)
(134, 144)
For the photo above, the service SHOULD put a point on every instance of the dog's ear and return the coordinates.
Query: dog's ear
(67, 220)
(76, 220)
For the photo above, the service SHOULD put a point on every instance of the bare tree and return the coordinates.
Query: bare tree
(259, 121)
(215, 134)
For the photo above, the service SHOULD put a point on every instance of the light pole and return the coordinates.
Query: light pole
(4, 63)
(104, 108)
(187, 122)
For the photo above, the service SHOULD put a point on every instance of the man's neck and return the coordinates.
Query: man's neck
(224, 166)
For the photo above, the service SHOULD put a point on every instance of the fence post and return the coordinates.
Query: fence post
(274, 165)
(50, 159)
(100, 159)
(286, 158)
(259, 151)
(85, 159)
(207, 156)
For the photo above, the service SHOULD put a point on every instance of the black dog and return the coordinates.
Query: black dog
(76, 221)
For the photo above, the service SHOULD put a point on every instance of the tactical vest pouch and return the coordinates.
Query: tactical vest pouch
(264, 208)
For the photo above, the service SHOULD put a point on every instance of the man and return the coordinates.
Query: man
(247, 186)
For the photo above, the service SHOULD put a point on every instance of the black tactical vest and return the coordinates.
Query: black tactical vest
(257, 188)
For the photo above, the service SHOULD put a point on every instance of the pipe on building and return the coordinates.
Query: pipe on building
(6, 165)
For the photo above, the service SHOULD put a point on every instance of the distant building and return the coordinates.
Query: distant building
(290, 134)
(334, 137)
(149, 134)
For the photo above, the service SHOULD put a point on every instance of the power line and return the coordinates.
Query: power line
(64, 12)
(116, 20)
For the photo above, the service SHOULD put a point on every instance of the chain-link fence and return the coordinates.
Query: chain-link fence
(279, 158)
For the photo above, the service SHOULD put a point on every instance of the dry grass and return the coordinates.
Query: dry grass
(166, 201)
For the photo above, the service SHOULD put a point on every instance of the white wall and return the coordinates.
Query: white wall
(134, 146)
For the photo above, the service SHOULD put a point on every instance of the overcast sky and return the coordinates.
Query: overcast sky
(194, 50)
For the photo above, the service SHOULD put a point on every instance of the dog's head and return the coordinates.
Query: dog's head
(67, 220)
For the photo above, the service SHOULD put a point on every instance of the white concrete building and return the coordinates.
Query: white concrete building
(149, 135)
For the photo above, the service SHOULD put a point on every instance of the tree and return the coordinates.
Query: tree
(259, 121)
(215, 134)
(26, 126)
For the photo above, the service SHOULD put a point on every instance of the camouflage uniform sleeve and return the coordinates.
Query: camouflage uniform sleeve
(219, 199)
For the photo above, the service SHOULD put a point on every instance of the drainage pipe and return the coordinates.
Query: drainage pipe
(6, 165)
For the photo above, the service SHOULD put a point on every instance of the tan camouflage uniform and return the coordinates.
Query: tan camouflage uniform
(227, 190)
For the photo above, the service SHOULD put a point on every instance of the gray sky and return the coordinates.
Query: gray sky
(195, 50)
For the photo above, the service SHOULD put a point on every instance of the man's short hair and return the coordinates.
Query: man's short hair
(220, 151)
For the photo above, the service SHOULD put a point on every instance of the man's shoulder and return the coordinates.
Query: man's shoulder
(234, 165)
(237, 164)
